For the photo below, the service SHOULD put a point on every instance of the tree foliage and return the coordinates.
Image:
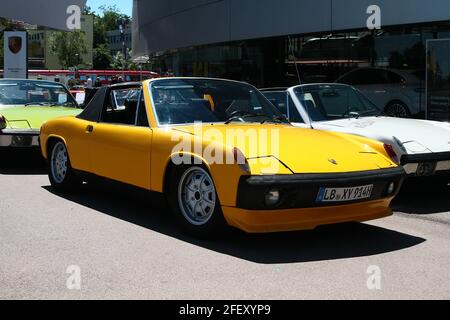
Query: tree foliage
(108, 20)
(102, 57)
(119, 62)
(69, 47)
(111, 16)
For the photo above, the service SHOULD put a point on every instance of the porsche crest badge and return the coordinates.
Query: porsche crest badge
(15, 44)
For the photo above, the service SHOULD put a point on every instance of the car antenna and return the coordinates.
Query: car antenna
(292, 54)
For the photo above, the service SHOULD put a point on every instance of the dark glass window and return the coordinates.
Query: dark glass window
(121, 107)
(283, 101)
(395, 78)
(142, 118)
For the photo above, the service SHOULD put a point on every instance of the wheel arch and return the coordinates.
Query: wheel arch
(171, 165)
(49, 141)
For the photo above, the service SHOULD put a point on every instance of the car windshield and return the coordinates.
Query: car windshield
(334, 102)
(34, 93)
(186, 101)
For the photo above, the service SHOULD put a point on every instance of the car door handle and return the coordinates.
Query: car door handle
(89, 129)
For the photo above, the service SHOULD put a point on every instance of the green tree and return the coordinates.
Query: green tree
(99, 32)
(119, 62)
(102, 57)
(69, 47)
(108, 20)
(88, 10)
(111, 16)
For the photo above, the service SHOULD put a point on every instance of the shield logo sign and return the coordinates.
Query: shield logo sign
(15, 44)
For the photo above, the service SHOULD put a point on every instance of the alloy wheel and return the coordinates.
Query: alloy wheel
(197, 196)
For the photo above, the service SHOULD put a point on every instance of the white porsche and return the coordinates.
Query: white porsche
(422, 147)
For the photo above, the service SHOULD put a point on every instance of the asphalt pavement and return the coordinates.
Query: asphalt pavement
(107, 242)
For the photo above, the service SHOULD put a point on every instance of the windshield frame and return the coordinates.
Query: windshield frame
(155, 82)
(70, 98)
(305, 114)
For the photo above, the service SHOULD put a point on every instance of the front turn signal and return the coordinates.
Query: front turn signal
(241, 161)
(391, 153)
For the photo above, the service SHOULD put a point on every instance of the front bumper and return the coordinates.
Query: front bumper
(298, 208)
(252, 221)
(299, 191)
(19, 138)
(426, 164)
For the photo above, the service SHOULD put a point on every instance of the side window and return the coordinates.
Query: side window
(380, 77)
(278, 99)
(121, 107)
(353, 78)
(284, 103)
(365, 77)
(141, 117)
(395, 78)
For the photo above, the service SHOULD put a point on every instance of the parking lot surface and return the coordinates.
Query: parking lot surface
(125, 246)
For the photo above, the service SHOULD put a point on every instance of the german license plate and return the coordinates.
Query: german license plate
(345, 194)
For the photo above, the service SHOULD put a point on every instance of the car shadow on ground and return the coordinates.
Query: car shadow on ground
(325, 243)
(22, 162)
(423, 198)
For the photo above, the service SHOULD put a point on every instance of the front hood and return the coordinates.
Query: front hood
(21, 117)
(299, 150)
(417, 136)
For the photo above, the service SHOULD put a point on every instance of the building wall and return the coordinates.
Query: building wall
(159, 25)
(114, 40)
(48, 13)
(40, 55)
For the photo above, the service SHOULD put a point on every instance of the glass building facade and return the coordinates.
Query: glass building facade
(402, 67)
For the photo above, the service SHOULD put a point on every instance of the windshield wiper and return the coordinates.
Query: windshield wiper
(37, 104)
(48, 104)
(243, 114)
(277, 119)
(357, 115)
(62, 104)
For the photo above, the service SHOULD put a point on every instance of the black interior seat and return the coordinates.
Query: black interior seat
(130, 111)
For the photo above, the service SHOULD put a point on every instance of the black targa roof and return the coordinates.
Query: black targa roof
(93, 110)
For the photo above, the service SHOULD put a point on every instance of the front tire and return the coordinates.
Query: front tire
(194, 201)
(60, 171)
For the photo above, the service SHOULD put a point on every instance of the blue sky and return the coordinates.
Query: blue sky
(125, 6)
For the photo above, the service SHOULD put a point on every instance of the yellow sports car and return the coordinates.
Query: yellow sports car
(222, 155)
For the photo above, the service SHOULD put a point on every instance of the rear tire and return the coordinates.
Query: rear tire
(397, 109)
(60, 172)
(194, 202)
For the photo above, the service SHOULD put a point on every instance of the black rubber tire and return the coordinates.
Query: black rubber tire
(393, 113)
(71, 181)
(216, 224)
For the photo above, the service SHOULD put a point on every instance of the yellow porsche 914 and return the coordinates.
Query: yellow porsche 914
(222, 154)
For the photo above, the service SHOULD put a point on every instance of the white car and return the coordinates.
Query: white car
(397, 92)
(422, 147)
